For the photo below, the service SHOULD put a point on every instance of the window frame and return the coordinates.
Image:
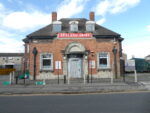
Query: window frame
(74, 24)
(92, 24)
(108, 60)
(41, 62)
(57, 23)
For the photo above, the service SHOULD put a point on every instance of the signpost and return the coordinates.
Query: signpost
(58, 66)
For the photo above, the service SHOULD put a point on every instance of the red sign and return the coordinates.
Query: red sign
(74, 35)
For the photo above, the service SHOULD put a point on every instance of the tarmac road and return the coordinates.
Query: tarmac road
(137, 102)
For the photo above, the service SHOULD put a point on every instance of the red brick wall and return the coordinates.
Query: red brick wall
(57, 45)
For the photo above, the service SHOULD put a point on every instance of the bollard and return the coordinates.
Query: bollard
(135, 76)
(10, 78)
(112, 81)
(16, 79)
(13, 75)
(87, 78)
(64, 79)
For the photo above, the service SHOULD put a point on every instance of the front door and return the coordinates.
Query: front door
(75, 67)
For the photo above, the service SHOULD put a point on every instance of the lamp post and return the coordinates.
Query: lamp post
(91, 64)
(34, 66)
(87, 54)
(115, 60)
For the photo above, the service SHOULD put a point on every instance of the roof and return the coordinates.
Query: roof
(47, 30)
(11, 54)
(147, 56)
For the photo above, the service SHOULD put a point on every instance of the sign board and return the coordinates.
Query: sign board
(130, 65)
(57, 64)
(74, 35)
(92, 64)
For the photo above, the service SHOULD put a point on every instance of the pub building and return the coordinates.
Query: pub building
(74, 48)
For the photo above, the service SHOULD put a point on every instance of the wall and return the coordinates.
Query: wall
(57, 45)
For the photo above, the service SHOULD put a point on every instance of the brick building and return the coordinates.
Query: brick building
(75, 47)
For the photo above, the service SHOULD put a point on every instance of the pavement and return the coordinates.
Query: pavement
(76, 87)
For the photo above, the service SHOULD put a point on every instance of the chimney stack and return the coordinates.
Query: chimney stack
(92, 16)
(54, 16)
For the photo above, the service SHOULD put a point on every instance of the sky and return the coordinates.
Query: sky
(129, 18)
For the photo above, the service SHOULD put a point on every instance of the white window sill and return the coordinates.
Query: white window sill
(46, 70)
(104, 68)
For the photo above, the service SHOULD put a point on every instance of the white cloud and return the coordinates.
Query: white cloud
(9, 44)
(148, 28)
(138, 49)
(114, 6)
(101, 21)
(68, 8)
(122, 5)
(102, 7)
(26, 20)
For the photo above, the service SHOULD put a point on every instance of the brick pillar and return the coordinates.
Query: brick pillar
(54, 16)
(92, 16)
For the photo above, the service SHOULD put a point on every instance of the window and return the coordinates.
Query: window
(90, 26)
(56, 26)
(46, 61)
(73, 25)
(10, 58)
(103, 60)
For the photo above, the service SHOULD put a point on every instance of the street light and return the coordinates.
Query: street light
(115, 60)
(34, 53)
(87, 53)
(91, 65)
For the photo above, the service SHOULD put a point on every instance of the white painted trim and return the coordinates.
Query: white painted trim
(51, 67)
(73, 22)
(108, 61)
(90, 22)
(56, 22)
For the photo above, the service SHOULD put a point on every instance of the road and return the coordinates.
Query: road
(86, 103)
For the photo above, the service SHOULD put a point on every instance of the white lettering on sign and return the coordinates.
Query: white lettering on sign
(74, 35)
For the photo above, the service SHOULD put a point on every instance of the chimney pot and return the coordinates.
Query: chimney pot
(54, 16)
(92, 16)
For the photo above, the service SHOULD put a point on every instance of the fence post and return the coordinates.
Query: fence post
(10, 77)
(112, 81)
(135, 76)
(13, 75)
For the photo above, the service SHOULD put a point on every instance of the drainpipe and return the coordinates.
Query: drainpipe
(34, 66)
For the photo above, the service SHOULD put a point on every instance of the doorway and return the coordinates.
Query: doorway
(75, 65)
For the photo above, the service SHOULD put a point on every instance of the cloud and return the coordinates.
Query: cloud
(105, 7)
(101, 21)
(68, 8)
(122, 5)
(25, 20)
(9, 44)
(148, 28)
(114, 6)
(138, 49)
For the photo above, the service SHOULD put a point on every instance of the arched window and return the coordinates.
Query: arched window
(57, 26)
(90, 26)
(73, 25)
